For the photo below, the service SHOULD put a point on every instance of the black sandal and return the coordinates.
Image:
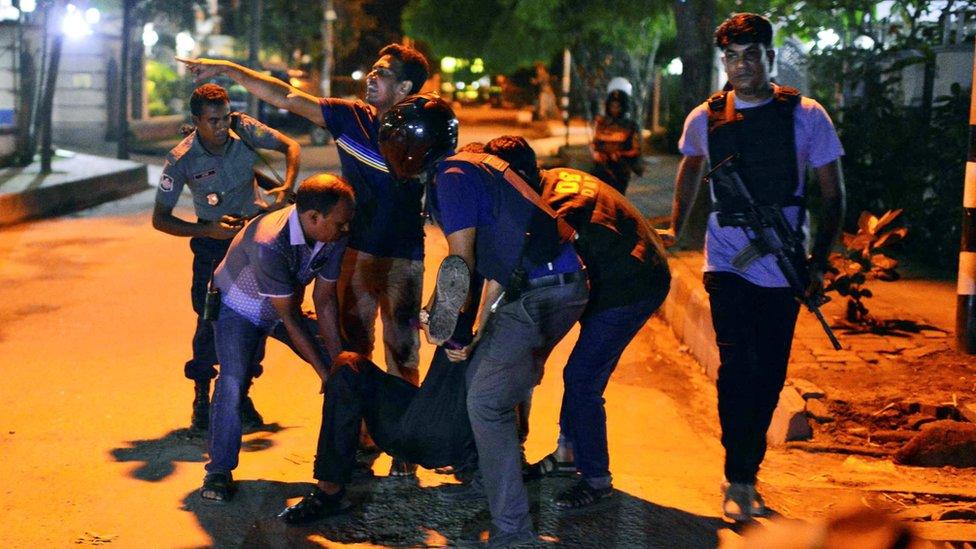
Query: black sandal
(217, 488)
(549, 466)
(316, 505)
(582, 495)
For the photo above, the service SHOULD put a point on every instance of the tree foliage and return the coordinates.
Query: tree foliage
(610, 38)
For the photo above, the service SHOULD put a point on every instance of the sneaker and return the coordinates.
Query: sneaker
(742, 503)
(402, 469)
(251, 420)
(316, 505)
(582, 494)
(450, 293)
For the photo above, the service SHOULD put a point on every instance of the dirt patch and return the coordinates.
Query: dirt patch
(884, 404)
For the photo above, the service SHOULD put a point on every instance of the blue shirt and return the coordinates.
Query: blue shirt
(462, 199)
(389, 221)
(270, 258)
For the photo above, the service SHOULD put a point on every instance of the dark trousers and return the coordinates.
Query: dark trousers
(357, 392)
(754, 332)
(604, 335)
(207, 254)
(615, 174)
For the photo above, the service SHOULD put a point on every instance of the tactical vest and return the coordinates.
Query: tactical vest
(525, 232)
(764, 139)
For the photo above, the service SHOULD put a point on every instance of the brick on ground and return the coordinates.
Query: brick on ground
(926, 350)
(817, 409)
(789, 419)
(836, 356)
(807, 389)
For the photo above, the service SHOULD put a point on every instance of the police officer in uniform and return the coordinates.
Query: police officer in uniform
(775, 135)
(616, 142)
(216, 162)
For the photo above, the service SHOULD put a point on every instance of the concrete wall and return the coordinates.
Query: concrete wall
(954, 65)
(81, 100)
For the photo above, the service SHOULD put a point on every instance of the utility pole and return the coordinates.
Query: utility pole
(328, 50)
(564, 99)
(123, 145)
(254, 52)
(966, 286)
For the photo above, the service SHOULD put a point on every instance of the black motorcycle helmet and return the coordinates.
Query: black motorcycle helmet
(415, 133)
(621, 97)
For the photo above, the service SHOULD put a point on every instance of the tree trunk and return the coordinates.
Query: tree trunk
(254, 52)
(695, 20)
(50, 84)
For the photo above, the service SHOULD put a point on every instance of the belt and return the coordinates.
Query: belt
(555, 280)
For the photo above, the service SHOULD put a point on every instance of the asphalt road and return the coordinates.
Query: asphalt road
(95, 326)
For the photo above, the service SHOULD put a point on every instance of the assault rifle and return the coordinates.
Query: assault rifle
(769, 234)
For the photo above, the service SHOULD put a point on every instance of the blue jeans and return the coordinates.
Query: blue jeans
(238, 341)
(207, 254)
(506, 364)
(582, 418)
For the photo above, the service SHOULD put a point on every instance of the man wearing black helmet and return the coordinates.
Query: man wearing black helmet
(536, 287)
(616, 143)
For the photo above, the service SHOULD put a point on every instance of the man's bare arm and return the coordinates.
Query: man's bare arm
(686, 185)
(263, 86)
(327, 314)
(289, 310)
(292, 151)
(832, 193)
(163, 220)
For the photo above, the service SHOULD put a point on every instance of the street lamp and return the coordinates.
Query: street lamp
(75, 24)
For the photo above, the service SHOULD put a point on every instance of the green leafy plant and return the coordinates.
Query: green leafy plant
(860, 262)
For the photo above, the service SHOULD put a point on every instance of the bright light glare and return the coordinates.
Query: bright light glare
(185, 43)
(28, 6)
(92, 16)
(357, 75)
(827, 38)
(864, 42)
(448, 64)
(73, 25)
(149, 35)
(460, 85)
(675, 66)
(8, 12)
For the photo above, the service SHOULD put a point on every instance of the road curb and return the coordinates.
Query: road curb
(73, 193)
(686, 310)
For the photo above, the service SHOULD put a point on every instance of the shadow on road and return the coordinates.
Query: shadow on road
(399, 513)
(159, 456)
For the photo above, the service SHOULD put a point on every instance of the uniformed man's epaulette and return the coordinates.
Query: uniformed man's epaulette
(180, 150)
